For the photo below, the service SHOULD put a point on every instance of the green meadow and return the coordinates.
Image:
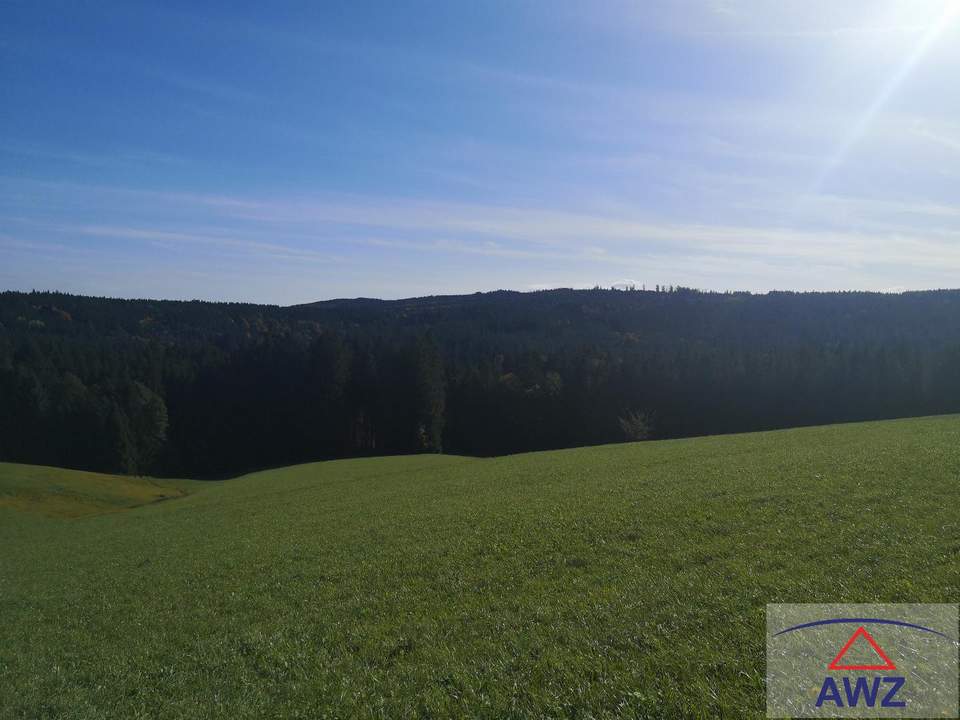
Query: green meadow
(617, 581)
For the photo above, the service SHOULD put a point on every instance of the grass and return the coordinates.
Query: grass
(74, 493)
(626, 580)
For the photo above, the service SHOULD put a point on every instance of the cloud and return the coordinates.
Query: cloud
(264, 250)
(855, 238)
(945, 141)
(207, 87)
(117, 158)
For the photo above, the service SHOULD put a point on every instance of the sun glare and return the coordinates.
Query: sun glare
(947, 15)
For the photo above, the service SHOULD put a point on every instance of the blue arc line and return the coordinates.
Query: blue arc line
(861, 621)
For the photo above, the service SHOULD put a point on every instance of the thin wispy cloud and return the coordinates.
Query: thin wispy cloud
(343, 231)
(260, 250)
(949, 142)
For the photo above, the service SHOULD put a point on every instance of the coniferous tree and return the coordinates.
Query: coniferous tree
(146, 419)
(430, 395)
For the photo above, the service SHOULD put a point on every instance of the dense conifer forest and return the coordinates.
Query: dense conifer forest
(210, 389)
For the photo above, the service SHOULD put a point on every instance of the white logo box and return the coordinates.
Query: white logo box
(862, 660)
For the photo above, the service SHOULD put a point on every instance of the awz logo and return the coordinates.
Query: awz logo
(830, 693)
(873, 660)
(863, 688)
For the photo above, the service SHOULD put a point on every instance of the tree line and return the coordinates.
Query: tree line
(211, 389)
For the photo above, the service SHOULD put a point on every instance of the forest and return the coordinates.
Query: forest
(208, 390)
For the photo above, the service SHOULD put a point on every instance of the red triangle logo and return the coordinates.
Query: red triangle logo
(862, 632)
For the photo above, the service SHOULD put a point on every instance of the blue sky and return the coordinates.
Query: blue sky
(284, 153)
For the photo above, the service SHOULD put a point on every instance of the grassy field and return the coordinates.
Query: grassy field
(626, 580)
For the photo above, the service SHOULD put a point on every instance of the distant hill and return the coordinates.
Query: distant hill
(208, 389)
(607, 582)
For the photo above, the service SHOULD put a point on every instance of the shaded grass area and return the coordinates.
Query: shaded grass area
(625, 580)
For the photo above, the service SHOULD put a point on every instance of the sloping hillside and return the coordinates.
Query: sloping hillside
(73, 493)
(627, 579)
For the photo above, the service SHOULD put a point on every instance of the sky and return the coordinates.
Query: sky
(290, 152)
